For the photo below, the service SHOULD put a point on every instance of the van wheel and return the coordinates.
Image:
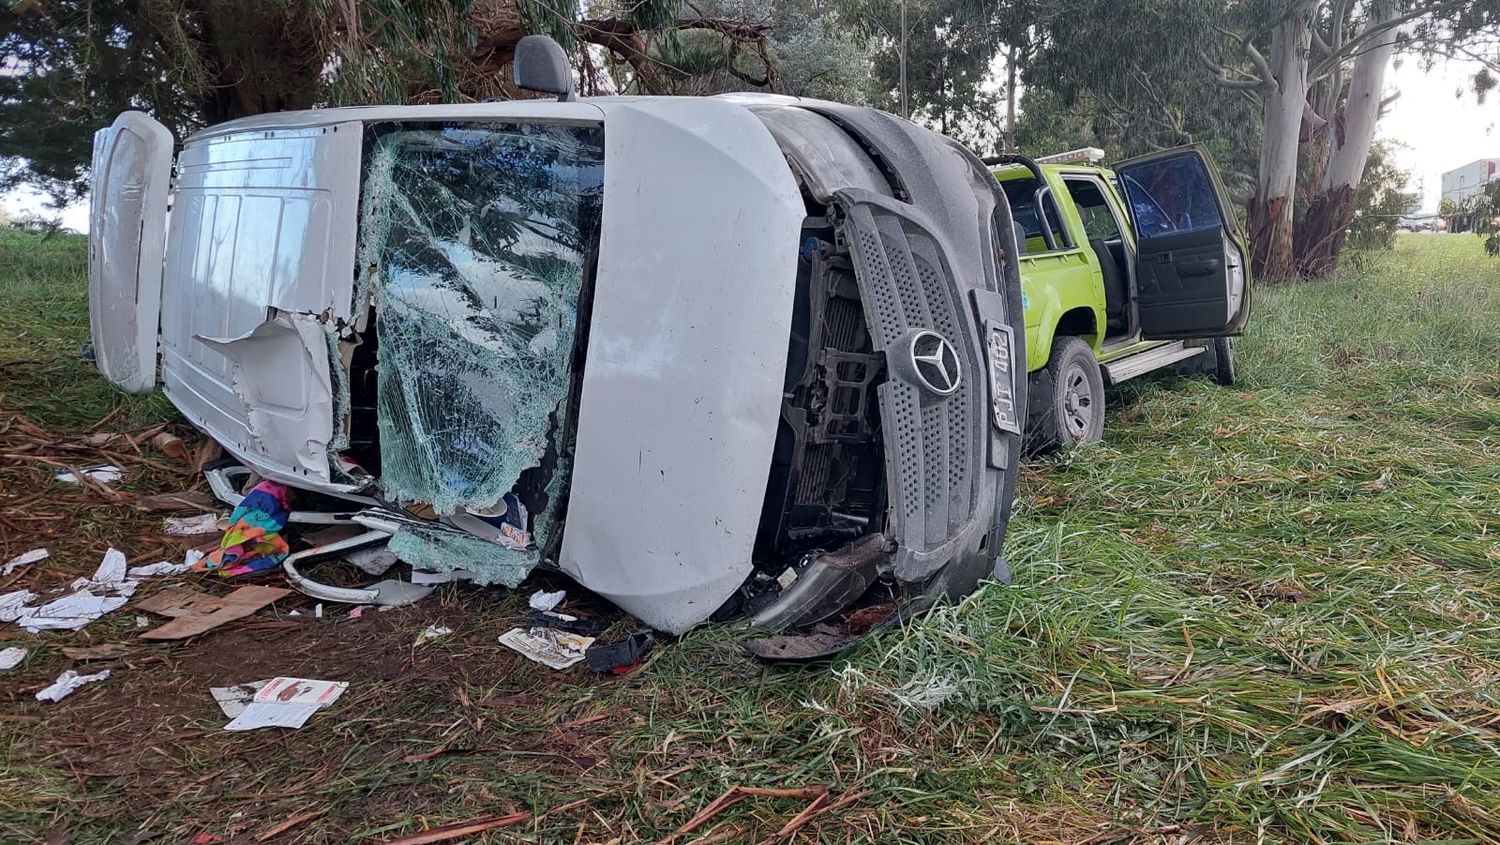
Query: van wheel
(1067, 404)
(1223, 353)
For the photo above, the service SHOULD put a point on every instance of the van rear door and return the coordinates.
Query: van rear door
(1191, 276)
(132, 171)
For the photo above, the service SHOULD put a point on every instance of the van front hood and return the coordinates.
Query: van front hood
(686, 358)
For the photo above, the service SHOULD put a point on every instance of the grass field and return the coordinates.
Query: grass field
(1262, 614)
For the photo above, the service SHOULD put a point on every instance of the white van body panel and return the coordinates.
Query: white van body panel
(132, 169)
(260, 268)
(699, 200)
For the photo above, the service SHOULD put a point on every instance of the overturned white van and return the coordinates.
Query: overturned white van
(745, 354)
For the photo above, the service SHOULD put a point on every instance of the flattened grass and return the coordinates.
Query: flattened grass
(1267, 613)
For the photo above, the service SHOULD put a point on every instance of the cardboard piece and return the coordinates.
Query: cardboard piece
(195, 613)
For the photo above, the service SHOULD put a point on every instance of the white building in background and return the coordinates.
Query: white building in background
(1464, 184)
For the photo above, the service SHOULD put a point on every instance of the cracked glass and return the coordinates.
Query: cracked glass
(476, 239)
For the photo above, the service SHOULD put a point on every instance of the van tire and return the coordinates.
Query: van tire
(1066, 404)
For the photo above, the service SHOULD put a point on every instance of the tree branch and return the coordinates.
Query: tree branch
(1222, 77)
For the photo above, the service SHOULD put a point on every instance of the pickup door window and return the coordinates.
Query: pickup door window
(1190, 262)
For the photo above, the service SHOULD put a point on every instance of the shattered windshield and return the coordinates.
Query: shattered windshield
(475, 243)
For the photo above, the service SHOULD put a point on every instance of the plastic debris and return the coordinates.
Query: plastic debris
(543, 600)
(11, 657)
(394, 593)
(548, 646)
(567, 622)
(192, 526)
(374, 560)
(318, 610)
(253, 540)
(194, 612)
(357, 612)
(23, 559)
(420, 576)
(100, 473)
(619, 658)
(433, 632)
(67, 683)
(286, 703)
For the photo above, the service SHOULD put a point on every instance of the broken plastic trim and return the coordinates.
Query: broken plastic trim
(221, 482)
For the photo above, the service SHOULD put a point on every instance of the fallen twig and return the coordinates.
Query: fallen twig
(735, 794)
(273, 832)
(458, 830)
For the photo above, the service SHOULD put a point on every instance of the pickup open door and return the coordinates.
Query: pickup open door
(1191, 278)
(132, 171)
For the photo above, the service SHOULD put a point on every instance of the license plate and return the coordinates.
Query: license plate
(1000, 352)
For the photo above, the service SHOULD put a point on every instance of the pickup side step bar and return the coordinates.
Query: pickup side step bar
(1130, 366)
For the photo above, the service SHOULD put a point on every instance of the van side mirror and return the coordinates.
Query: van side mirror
(541, 65)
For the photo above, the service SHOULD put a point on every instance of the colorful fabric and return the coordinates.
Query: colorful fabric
(253, 540)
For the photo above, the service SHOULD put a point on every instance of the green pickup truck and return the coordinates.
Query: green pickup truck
(1124, 270)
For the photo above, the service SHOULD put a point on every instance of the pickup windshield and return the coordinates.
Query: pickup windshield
(476, 240)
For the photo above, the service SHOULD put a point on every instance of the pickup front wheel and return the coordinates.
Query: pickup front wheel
(1067, 400)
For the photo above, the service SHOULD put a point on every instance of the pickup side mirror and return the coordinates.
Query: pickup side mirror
(541, 65)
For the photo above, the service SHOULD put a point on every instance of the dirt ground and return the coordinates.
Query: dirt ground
(151, 731)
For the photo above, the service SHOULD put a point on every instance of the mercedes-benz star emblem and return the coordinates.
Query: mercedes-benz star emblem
(936, 362)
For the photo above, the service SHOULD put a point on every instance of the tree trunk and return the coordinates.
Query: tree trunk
(1283, 102)
(1330, 212)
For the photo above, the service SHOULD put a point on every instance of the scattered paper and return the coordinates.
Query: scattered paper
(67, 683)
(191, 526)
(107, 590)
(373, 560)
(420, 577)
(194, 612)
(23, 559)
(542, 600)
(13, 605)
(433, 632)
(110, 574)
(70, 612)
(234, 700)
(102, 473)
(11, 657)
(286, 703)
(548, 646)
(151, 570)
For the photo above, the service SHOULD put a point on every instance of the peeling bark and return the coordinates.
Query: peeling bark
(1331, 209)
(1284, 100)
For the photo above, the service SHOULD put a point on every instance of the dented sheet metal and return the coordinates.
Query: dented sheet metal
(475, 242)
(263, 224)
(280, 370)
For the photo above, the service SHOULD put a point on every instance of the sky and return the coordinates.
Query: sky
(1439, 131)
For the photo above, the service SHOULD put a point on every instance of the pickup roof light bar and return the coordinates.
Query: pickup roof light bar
(1092, 155)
